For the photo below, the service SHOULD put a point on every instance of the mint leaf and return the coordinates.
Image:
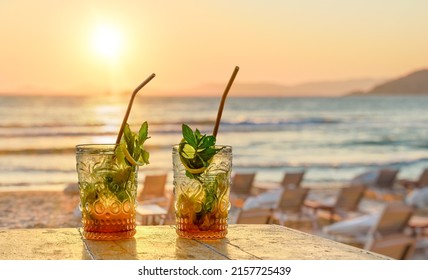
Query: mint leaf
(198, 135)
(196, 151)
(189, 136)
(207, 141)
(208, 154)
(129, 139)
(132, 146)
(145, 157)
(143, 133)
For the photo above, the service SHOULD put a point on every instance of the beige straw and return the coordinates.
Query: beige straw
(125, 119)
(223, 100)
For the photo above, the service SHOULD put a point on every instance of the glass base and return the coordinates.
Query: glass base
(202, 235)
(188, 230)
(109, 229)
(109, 235)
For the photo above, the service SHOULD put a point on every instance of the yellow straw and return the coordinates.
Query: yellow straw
(125, 119)
(223, 100)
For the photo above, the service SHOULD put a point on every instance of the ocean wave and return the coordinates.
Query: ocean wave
(387, 142)
(329, 165)
(60, 150)
(57, 185)
(179, 122)
(38, 151)
(58, 129)
(53, 134)
(62, 124)
(380, 142)
(49, 125)
(282, 122)
(421, 145)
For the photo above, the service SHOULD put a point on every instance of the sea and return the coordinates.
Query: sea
(331, 139)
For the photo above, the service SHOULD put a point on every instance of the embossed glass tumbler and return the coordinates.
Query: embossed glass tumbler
(202, 201)
(108, 190)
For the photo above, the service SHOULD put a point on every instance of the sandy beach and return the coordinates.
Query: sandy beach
(29, 208)
(55, 207)
(38, 209)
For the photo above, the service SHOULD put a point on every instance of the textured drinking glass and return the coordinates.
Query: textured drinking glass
(107, 193)
(202, 203)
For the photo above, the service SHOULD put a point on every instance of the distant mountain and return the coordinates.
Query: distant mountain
(325, 88)
(414, 83)
(333, 88)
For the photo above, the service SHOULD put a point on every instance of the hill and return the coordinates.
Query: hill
(414, 83)
(322, 88)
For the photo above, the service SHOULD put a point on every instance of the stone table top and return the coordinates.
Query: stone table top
(243, 242)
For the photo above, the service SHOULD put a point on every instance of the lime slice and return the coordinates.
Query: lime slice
(193, 170)
(187, 153)
(130, 158)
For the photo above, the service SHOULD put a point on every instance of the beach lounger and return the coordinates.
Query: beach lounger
(153, 190)
(169, 218)
(368, 230)
(292, 179)
(386, 178)
(241, 189)
(400, 247)
(254, 216)
(150, 214)
(290, 208)
(418, 198)
(383, 187)
(153, 214)
(421, 182)
(394, 220)
(344, 206)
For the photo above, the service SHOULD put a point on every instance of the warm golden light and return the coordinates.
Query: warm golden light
(322, 47)
(107, 41)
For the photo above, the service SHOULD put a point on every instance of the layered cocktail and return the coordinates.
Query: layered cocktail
(201, 186)
(108, 187)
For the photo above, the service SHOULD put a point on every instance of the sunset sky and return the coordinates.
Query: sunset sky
(90, 47)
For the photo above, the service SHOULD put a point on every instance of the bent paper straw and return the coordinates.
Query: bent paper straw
(223, 100)
(134, 93)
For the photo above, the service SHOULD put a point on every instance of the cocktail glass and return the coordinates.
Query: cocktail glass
(202, 202)
(108, 188)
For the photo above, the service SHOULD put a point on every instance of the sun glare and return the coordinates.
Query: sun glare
(107, 41)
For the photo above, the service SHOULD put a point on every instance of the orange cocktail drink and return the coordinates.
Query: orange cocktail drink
(202, 200)
(108, 188)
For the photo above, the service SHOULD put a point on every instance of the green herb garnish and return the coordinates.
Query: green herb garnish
(196, 151)
(116, 173)
(131, 151)
(202, 206)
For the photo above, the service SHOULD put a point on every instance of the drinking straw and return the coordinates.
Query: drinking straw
(223, 100)
(131, 101)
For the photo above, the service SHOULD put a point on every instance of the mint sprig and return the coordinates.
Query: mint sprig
(196, 150)
(131, 148)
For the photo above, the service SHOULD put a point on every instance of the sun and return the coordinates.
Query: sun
(107, 41)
